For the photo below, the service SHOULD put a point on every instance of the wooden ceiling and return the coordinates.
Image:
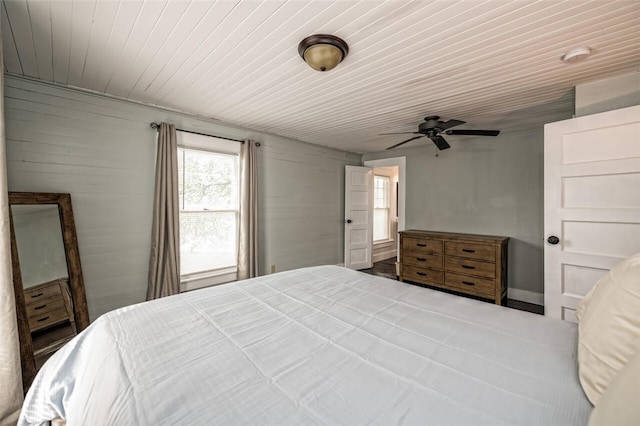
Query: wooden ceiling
(494, 64)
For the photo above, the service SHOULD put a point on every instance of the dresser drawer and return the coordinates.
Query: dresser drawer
(424, 245)
(45, 306)
(471, 285)
(422, 275)
(47, 319)
(470, 250)
(470, 267)
(423, 260)
(40, 293)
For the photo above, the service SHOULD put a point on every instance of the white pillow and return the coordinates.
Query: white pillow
(609, 329)
(619, 403)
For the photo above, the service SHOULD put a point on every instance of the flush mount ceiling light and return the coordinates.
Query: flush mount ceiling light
(576, 55)
(323, 52)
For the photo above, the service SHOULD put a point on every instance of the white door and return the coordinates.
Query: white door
(358, 217)
(592, 203)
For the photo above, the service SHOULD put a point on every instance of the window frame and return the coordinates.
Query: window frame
(387, 198)
(213, 145)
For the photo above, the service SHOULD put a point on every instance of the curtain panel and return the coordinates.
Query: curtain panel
(10, 371)
(164, 262)
(248, 223)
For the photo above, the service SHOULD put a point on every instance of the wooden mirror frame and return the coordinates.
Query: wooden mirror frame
(76, 282)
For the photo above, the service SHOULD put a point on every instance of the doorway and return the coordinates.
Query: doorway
(393, 172)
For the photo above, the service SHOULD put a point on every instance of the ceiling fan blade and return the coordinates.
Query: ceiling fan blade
(400, 133)
(449, 124)
(474, 132)
(440, 142)
(408, 140)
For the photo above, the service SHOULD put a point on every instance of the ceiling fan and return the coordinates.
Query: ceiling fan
(433, 126)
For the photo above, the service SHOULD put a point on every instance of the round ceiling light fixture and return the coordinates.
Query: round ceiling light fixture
(323, 52)
(576, 55)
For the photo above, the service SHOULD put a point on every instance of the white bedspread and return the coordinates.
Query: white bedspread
(320, 345)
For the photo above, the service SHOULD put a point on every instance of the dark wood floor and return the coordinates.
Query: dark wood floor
(387, 268)
(384, 268)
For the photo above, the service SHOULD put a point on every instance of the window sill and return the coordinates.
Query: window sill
(383, 242)
(208, 279)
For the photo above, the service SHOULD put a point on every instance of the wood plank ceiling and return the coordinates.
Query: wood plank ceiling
(494, 64)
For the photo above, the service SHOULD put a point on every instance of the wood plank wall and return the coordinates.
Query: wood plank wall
(102, 151)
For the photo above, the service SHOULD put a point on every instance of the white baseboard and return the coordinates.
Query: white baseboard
(526, 296)
(340, 264)
(384, 255)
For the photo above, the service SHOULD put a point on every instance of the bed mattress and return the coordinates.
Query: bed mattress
(319, 345)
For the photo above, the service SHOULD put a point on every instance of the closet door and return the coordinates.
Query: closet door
(592, 203)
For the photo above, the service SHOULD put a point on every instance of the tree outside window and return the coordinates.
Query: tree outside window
(208, 193)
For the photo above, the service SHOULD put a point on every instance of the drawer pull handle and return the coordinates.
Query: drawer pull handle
(33, 296)
(468, 283)
(422, 274)
(39, 307)
(421, 259)
(43, 319)
(421, 245)
(468, 251)
(468, 267)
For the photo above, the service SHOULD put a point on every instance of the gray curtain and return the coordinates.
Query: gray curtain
(164, 264)
(10, 372)
(248, 232)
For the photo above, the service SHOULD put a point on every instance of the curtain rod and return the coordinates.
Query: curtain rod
(156, 126)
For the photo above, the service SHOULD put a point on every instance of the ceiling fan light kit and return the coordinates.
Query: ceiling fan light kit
(323, 52)
(433, 126)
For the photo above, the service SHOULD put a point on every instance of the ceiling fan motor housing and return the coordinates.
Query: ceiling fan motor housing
(425, 127)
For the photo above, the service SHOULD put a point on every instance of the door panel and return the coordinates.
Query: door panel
(603, 191)
(594, 142)
(600, 238)
(592, 203)
(578, 280)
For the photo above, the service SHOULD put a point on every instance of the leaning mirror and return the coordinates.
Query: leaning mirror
(50, 299)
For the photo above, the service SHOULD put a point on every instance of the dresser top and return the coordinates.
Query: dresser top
(444, 235)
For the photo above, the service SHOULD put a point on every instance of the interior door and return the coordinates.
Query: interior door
(592, 203)
(358, 215)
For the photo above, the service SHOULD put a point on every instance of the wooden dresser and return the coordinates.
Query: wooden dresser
(464, 263)
(48, 304)
(51, 319)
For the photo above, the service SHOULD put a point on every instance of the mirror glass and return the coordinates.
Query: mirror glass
(38, 236)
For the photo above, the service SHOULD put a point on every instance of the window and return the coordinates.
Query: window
(380, 208)
(208, 184)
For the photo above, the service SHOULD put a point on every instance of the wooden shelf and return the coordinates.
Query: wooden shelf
(46, 342)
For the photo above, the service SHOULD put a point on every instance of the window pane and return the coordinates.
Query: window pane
(380, 224)
(207, 241)
(380, 191)
(207, 180)
(208, 189)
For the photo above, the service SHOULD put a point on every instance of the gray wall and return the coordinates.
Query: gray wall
(102, 151)
(483, 185)
(608, 94)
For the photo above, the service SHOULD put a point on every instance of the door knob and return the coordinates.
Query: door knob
(553, 240)
(348, 221)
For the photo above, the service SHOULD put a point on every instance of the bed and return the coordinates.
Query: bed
(319, 345)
